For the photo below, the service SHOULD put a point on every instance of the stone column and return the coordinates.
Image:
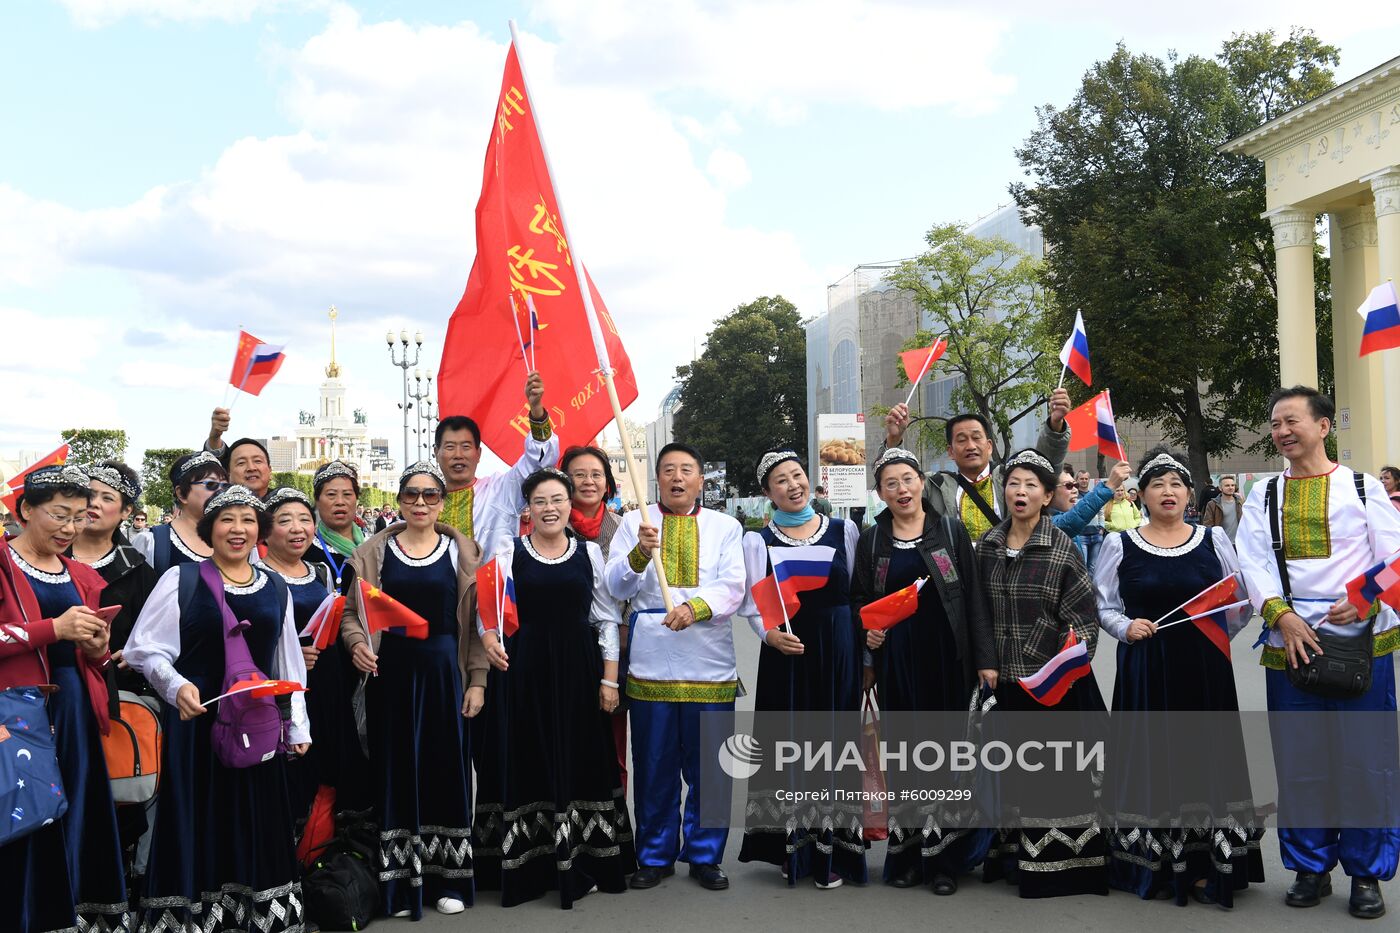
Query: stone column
(1354, 271)
(1294, 237)
(1385, 185)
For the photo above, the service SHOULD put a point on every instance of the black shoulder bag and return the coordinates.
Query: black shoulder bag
(971, 490)
(1343, 670)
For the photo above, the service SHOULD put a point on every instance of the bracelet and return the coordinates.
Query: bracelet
(608, 683)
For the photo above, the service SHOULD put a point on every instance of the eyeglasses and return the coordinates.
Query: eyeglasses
(213, 486)
(428, 496)
(76, 519)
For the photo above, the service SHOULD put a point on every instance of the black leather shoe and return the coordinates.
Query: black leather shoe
(911, 877)
(711, 877)
(1366, 900)
(1308, 889)
(944, 885)
(649, 876)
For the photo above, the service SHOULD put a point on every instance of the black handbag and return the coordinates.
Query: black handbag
(1343, 670)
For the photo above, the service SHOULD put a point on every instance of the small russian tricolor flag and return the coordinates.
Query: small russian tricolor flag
(1382, 316)
(1109, 443)
(1049, 685)
(1075, 354)
(801, 568)
(495, 595)
(1379, 582)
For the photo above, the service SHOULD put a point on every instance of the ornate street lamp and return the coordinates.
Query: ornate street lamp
(404, 363)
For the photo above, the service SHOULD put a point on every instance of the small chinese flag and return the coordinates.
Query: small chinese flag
(324, 624)
(384, 613)
(889, 611)
(775, 607)
(918, 363)
(15, 485)
(258, 687)
(495, 596)
(1083, 425)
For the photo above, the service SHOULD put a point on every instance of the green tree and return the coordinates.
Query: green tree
(748, 391)
(90, 445)
(155, 466)
(298, 481)
(1155, 235)
(984, 297)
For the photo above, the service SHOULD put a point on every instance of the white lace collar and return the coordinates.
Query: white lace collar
(1198, 534)
(432, 558)
(43, 576)
(822, 526)
(568, 551)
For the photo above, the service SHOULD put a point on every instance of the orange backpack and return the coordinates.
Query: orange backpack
(132, 748)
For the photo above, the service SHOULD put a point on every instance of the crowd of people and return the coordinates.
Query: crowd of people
(488, 742)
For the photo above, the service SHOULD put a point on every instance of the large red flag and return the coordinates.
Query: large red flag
(521, 252)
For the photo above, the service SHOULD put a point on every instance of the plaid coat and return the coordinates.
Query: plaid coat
(1036, 597)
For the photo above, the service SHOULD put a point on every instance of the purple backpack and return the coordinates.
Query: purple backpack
(247, 729)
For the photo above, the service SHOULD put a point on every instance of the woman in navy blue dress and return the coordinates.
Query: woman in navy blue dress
(291, 527)
(52, 509)
(1143, 575)
(928, 662)
(415, 699)
(223, 852)
(813, 666)
(551, 813)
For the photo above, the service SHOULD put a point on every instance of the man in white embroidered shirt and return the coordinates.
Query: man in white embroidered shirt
(1303, 536)
(682, 662)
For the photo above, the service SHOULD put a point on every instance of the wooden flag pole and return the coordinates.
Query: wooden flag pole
(605, 373)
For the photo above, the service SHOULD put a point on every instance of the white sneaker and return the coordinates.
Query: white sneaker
(450, 905)
(400, 914)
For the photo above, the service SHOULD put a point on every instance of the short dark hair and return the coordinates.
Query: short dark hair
(456, 423)
(1146, 476)
(181, 485)
(227, 457)
(821, 490)
(1319, 405)
(205, 527)
(138, 514)
(956, 420)
(538, 478)
(573, 453)
(1392, 471)
(678, 447)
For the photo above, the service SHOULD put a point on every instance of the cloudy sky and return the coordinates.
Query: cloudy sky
(171, 169)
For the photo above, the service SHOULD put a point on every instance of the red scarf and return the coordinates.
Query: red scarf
(589, 528)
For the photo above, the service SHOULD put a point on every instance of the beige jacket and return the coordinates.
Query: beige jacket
(368, 561)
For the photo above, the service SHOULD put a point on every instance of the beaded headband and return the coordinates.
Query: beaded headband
(234, 495)
(113, 478)
(1163, 463)
(1028, 458)
(770, 460)
(282, 495)
(58, 475)
(895, 455)
(424, 467)
(333, 469)
(202, 459)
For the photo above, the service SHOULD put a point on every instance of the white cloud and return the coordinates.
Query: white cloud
(779, 58)
(370, 204)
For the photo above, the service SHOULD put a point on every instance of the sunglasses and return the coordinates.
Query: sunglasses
(1069, 485)
(213, 485)
(428, 496)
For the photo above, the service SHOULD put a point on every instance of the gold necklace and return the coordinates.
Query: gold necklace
(252, 575)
